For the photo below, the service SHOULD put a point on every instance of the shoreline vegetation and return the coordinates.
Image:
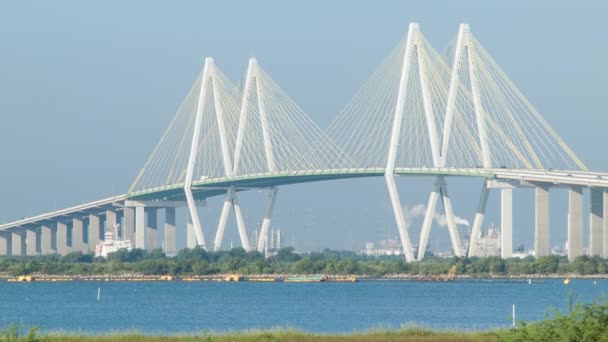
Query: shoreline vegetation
(198, 265)
(583, 322)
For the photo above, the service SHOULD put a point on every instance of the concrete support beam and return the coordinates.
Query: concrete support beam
(140, 227)
(46, 243)
(478, 220)
(596, 222)
(190, 233)
(541, 222)
(78, 244)
(506, 223)
(62, 238)
(31, 242)
(111, 221)
(4, 244)
(575, 222)
(170, 246)
(151, 228)
(128, 231)
(18, 242)
(94, 231)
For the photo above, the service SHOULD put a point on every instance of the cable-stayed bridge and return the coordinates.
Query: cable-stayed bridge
(421, 113)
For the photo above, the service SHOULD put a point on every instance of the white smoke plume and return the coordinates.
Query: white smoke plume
(420, 209)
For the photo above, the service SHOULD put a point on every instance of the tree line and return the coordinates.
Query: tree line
(197, 261)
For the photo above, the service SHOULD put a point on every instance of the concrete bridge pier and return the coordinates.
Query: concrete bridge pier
(18, 242)
(190, 233)
(94, 227)
(61, 237)
(128, 229)
(575, 222)
(506, 223)
(111, 220)
(140, 227)
(31, 242)
(170, 246)
(151, 228)
(46, 239)
(78, 236)
(596, 222)
(541, 221)
(4, 244)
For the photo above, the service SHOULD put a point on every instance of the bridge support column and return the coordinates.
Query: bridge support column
(151, 228)
(575, 222)
(231, 200)
(266, 221)
(94, 231)
(128, 231)
(596, 222)
(541, 221)
(140, 227)
(429, 216)
(478, 221)
(221, 226)
(440, 189)
(4, 244)
(399, 217)
(452, 227)
(18, 242)
(111, 221)
(46, 243)
(506, 223)
(190, 233)
(31, 242)
(78, 236)
(170, 247)
(62, 238)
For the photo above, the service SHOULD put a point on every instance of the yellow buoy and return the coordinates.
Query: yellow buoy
(566, 281)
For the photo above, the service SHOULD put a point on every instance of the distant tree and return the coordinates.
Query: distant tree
(496, 265)
(585, 265)
(286, 254)
(200, 267)
(156, 253)
(546, 264)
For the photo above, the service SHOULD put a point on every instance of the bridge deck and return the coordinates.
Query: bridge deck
(206, 188)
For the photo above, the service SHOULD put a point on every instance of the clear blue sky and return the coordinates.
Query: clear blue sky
(87, 88)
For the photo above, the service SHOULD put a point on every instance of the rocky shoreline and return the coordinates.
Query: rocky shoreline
(281, 277)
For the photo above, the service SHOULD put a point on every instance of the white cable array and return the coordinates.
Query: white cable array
(297, 143)
(517, 136)
(167, 163)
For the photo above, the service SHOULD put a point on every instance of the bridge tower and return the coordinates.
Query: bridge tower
(251, 83)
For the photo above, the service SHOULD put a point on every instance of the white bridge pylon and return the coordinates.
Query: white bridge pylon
(417, 110)
(251, 83)
(467, 114)
(415, 51)
(267, 134)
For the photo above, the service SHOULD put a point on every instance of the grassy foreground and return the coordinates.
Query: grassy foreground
(584, 322)
(411, 334)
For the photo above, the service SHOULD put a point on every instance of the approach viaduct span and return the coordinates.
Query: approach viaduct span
(415, 116)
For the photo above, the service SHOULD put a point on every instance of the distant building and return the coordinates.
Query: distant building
(489, 244)
(387, 247)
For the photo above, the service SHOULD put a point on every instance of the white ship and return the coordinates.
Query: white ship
(110, 245)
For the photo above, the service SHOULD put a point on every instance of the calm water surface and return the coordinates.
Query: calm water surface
(172, 307)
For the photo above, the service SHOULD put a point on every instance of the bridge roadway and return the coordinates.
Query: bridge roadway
(207, 188)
